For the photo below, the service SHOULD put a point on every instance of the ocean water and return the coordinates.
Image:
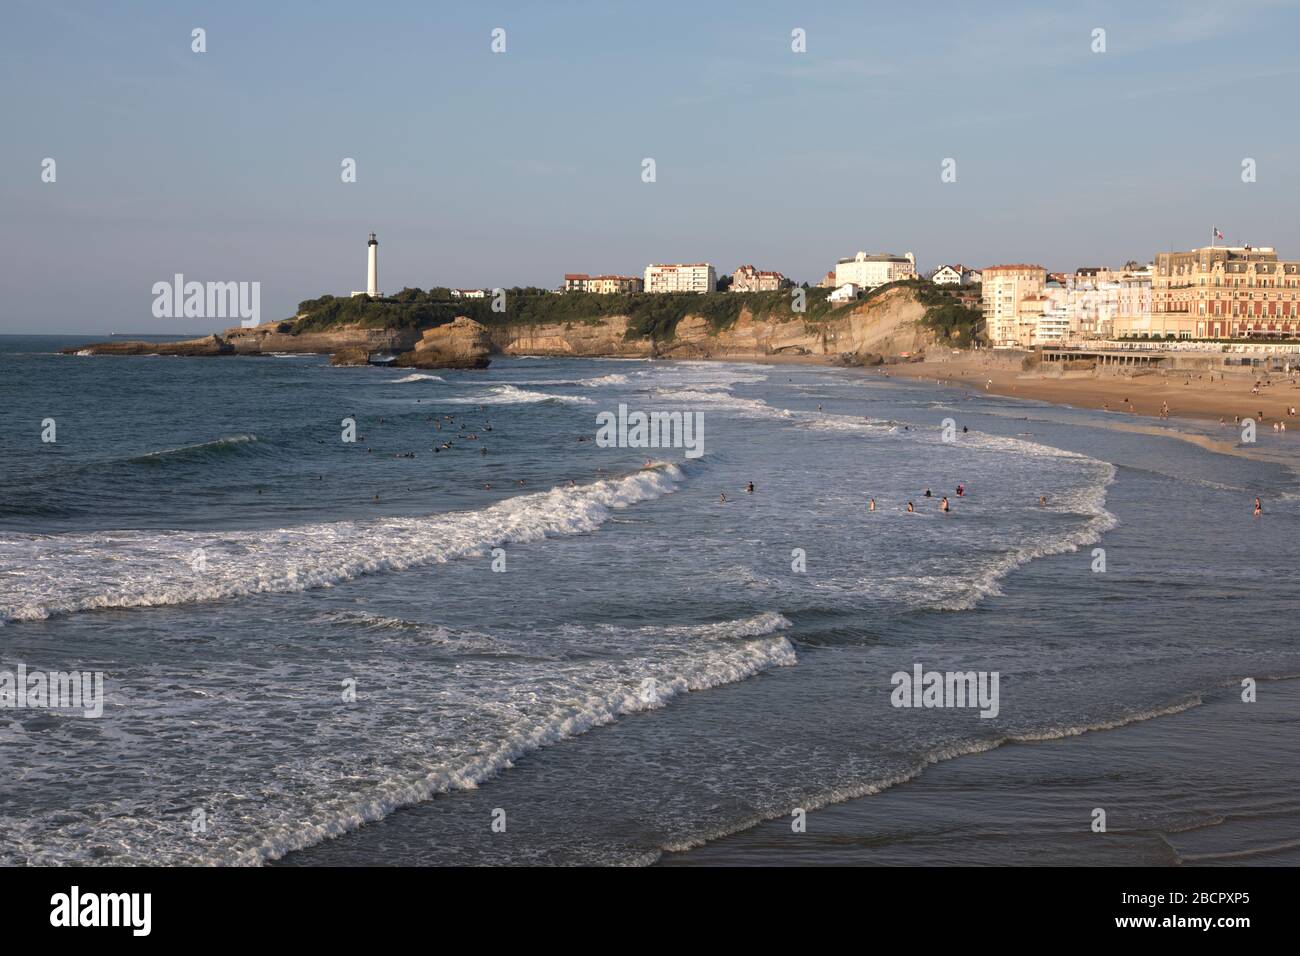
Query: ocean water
(587, 643)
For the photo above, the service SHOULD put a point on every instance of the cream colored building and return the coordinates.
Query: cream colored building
(679, 277)
(1133, 316)
(614, 285)
(749, 279)
(869, 271)
(1013, 299)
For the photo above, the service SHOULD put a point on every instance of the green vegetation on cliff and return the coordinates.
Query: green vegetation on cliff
(652, 315)
(946, 314)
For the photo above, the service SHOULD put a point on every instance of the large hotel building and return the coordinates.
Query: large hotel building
(1225, 292)
(694, 277)
(1013, 302)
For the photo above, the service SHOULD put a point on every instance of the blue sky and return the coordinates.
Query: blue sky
(483, 169)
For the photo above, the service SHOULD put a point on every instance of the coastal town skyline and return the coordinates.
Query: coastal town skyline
(1058, 146)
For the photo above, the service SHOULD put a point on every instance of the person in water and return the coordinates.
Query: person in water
(961, 491)
(910, 509)
(722, 497)
(1259, 507)
(749, 488)
(871, 504)
(943, 505)
(1042, 501)
(927, 493)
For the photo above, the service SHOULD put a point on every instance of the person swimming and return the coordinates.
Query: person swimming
(1042, 501)
(1259, 507)
(910, 509)
(927, 493)
(961, 491)
(943, 505)
(749, 488)
(871, 504)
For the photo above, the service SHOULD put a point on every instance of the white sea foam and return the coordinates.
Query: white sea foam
(416, 377)
(614, 378)
(510, 395)
(59, 574)
(472, 729)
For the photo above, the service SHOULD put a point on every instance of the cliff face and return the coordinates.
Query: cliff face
(573, 339)
(462, 343)
(265, 338)
(887, 325)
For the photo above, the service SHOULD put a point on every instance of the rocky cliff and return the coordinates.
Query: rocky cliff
(462, 343)
(887, 325)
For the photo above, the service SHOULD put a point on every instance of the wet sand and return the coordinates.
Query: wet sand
(1215, 784)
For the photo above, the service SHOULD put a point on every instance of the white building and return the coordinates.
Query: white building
(681, 277)
(869, 271)
(955, 275)
(844, 293)
(468, 294)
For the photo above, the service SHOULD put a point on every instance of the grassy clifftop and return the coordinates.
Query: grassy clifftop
(654, 315)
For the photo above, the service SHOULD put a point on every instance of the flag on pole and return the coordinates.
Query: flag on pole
(1217, 234)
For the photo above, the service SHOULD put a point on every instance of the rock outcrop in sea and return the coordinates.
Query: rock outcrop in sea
(462, 343)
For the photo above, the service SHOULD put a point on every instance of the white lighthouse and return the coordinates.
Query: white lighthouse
(372, 267)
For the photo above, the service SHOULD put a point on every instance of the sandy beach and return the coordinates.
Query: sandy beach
(1188, 394)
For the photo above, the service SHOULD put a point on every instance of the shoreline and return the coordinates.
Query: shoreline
(1196, 395)
(1001, 805)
